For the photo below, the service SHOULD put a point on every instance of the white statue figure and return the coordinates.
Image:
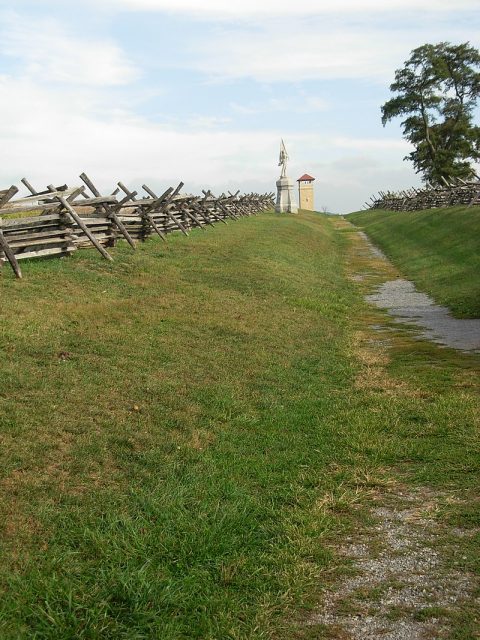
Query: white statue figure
(285, 199)
(283, 159)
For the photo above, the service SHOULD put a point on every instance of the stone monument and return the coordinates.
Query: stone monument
(285, 199)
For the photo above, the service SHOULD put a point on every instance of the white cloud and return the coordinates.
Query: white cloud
(296, 50)
(371, 144)
(111, 143)
(46, 49)
(249, 8)
(299, 103)
(206, 122)
(280, 41)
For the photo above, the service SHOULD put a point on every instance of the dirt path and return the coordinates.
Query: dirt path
(401, 577)
(401, 588)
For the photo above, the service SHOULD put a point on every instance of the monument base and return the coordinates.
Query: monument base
(285, 199)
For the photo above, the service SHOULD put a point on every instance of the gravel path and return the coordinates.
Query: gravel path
(400, 586)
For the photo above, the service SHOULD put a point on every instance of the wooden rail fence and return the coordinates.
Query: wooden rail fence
(66, 219)
(451, 194)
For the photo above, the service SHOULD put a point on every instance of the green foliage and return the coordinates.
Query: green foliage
(438, 249)
(437, 90)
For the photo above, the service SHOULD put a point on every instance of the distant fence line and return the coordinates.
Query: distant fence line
(453, 193)
(66, 219)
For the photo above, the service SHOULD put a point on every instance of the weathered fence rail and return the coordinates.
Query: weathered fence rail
(60, 220)
(451, 194)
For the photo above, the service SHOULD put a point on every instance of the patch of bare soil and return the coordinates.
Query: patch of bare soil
(399, 587)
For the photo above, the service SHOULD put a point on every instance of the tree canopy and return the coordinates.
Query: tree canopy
(437, 90)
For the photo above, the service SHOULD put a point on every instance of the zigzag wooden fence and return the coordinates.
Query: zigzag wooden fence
(452, 194)
(66, 219)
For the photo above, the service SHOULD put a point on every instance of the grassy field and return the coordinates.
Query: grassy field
(439, 249)
(185, 431)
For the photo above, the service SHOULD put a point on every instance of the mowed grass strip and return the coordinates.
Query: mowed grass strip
(182, 431)
(439, 249)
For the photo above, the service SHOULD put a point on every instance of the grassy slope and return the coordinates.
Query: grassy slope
(181, 431)
(438, 249)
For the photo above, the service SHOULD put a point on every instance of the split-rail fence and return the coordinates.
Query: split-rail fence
(60, 220)
(453, 193)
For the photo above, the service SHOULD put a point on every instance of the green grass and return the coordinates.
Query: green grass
(439, 249)
(183, 433)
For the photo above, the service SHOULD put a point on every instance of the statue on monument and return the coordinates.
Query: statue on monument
(285, 199)
(283, 159)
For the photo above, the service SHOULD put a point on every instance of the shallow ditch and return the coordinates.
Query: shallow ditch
(435, 322)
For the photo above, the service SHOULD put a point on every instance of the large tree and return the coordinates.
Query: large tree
(437, 90)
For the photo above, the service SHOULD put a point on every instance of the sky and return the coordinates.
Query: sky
(202, 91)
